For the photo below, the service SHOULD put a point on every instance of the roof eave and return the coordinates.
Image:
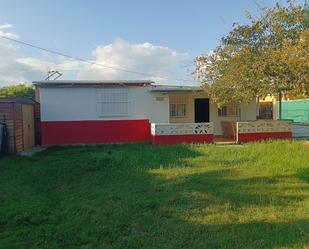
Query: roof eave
(105, 84)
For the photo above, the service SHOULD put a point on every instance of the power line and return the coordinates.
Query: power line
(87, 61)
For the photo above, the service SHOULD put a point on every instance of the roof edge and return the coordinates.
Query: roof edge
(92, 83)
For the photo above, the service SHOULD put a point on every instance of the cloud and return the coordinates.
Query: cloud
(36, 64)
(149, 59)
(6, 26)
(8, 34)
(153, 61)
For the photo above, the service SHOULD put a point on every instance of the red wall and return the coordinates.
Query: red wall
(249, 137)
(177, 139)
(95, 132)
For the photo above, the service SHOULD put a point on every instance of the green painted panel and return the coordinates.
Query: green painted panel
(297, 110)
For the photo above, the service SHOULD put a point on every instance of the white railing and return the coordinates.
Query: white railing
(262, 126)
(182, 129)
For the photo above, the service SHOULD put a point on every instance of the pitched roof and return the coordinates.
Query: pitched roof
(92, 83)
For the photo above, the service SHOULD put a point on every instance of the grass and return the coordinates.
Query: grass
(139, 196)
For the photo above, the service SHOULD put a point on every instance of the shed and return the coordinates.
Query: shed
(22, 119)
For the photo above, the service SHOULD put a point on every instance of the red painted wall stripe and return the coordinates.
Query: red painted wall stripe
(95, 132)
(177, 139)
(249, 137)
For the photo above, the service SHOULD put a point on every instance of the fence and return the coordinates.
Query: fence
(296, 110)
(263, 130)
(182, 133)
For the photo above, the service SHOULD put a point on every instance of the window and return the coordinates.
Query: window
(113, 102)
(228, 111)
(177, 110)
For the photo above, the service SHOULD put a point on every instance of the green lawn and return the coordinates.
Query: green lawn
(139, 196)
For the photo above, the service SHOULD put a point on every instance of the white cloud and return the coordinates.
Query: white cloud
(3, 32)
(6, 26)
(36, 64)
(146, 58)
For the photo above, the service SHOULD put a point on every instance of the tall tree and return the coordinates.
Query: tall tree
(266, 56)
(20, 90)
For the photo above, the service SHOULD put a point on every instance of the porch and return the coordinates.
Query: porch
(192, 118)
(190, 105)
(204, 132)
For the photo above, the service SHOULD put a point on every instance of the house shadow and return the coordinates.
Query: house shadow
(140, 196)
(202, 210)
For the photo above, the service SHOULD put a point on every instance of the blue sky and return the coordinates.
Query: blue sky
(86, 28)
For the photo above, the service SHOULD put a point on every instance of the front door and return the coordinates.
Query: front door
(201, 110)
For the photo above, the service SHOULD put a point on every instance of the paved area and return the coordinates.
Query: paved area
(223, 140)
(301, 131)
(32, 151)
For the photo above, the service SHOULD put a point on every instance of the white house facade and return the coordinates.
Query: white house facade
(93, 112)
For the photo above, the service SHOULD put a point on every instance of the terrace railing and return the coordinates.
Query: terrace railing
(262, 129)
(182, 129)
(264, 126)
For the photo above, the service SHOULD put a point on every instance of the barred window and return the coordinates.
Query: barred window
(113, 102)
(177, 110)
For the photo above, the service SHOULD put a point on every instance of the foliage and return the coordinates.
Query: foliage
(140, 196)
(268, 55)
(20, 90)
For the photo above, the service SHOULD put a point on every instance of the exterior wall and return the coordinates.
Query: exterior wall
(37, 94)
(19, 146)
(28, 126)
(158, 111)
(37, 123)
(76, 104)
(70, 116)
(95, 132)
(183, 98)
(188, 99)
(7, 115)
(217, 120)
(11, 114)
(248, 112)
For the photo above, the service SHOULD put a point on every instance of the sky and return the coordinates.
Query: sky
(153, 37)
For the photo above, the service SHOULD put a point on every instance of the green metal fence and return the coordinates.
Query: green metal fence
(296, 110)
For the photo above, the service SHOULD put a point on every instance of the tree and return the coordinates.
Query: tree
(20, 90)
(266, 56)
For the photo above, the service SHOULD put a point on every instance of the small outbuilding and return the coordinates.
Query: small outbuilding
(22, 119)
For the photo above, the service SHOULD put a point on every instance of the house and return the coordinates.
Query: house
(91, 112)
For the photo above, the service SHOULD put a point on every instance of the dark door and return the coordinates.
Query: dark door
(201, 110)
